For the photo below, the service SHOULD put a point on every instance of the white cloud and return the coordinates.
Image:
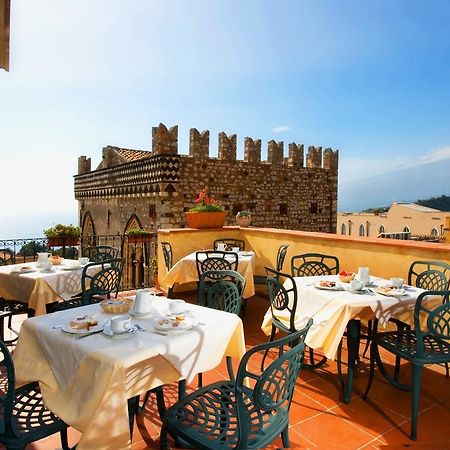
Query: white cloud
(281, 128)
(435, 155)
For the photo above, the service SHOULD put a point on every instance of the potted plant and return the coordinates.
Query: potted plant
(208, 213)
(62, 235)
(244, 218)
(138, 235)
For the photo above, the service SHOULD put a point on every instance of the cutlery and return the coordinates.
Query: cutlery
(138, 327)
(89, 334)
(55, 327)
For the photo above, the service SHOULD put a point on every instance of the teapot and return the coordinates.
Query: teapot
(143, 302)
(43, 260)
(363, 275)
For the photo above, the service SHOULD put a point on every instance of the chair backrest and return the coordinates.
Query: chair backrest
(281, 255)
(437, 321)
(103, 282)
(230, 243)
(282, 296)
(314, 264)
(101, 253)
(429, 275)
(221, 289)
(272, 392)
(7, 386)
(215, 260)
(168, 254)
(6, 257)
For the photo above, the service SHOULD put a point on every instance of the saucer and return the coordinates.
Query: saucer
(354, 291)
(131, 312)
(110, 333)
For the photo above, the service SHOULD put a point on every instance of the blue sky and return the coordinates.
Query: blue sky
(371, 78)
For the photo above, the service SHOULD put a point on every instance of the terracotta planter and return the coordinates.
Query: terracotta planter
(206, 219)
(63, 241)
(139, 238)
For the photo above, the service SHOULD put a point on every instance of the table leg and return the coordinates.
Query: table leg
(353, 338)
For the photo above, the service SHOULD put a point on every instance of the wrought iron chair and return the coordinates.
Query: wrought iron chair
(233, 415)
(95, 287)
(281, 255)
(314, 264)
(222, 290)
(168, 261)
(24, 417)
(10, 308)
(215, 260)
(418, 346)
(230, 243)
(101, 253)
(427, 275)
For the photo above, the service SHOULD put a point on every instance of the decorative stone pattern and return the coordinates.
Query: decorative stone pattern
(159, 186)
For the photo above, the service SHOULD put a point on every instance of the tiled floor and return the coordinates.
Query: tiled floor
(318, 418)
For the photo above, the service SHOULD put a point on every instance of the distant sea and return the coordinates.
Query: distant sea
(32, 225)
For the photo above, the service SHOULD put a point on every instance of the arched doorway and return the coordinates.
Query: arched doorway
(88, 234)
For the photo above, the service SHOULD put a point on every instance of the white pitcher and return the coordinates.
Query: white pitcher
(44, 261)
(143, 302)
(363, 275)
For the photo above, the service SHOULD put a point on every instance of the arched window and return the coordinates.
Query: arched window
(382, 229)
(343, 229)
(406, 230)
(435, 232)
(362, 230)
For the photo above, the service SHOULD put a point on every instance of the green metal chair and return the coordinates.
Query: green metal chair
(233, 415)
(230, 243)
(419, 347)
(10, 308)
(314, 264)
(24, 417)
(95, 287)
(281, 255)
(101, 253)
(168, 261)
(215, 260)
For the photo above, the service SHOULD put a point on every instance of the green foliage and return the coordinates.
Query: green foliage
(442, 203)
(60, 230)
(154, 264)
(137, 232)
(244, 214)
(206, 208)
(31, 249)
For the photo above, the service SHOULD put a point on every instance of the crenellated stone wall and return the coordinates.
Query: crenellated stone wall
(158, 187)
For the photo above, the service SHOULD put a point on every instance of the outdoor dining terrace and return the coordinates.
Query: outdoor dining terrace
(319, 416)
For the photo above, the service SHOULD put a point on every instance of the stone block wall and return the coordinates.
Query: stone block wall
(158, 187)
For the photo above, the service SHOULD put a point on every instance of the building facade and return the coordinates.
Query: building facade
(153, 189)
(408, 218)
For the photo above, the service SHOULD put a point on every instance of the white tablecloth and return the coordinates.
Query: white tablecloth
(87, 381)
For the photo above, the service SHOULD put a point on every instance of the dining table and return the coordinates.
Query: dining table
(87, 379)
(185, 271)
(338, 310)
(30, 284)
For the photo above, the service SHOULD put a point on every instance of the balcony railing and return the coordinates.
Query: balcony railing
(137, 253)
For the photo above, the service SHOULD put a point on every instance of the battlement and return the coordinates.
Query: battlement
(165, 141)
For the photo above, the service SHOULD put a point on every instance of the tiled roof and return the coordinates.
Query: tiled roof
(133, 155)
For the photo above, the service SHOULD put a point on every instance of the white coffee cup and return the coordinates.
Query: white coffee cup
(83, 260)
(235, 249)
(397, 282)
(221, 247)
(120, 324)
(177, 306)
(356, 285)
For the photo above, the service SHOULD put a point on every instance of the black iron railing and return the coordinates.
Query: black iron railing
(137, 251)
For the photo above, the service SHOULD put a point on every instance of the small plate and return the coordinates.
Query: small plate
(360, 292)
(140, 315)
(68, 329)
(246, 253)
(47, 270)
(72, 268)
(391, 292)
(110, 333)
(167, 323)
(337, 287)
(23, 271)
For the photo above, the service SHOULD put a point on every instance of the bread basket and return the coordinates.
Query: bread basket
(116, 306)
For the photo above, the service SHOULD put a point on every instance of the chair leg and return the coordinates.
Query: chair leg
(163, 439)
(373, 353)
(417, 377)
(200, 380)
(271, 337)
(447, 370)
(285, 438)
(64, 439)
(169, 292)
(369, 338)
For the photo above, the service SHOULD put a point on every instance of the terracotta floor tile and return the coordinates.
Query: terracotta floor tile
(331, 431)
